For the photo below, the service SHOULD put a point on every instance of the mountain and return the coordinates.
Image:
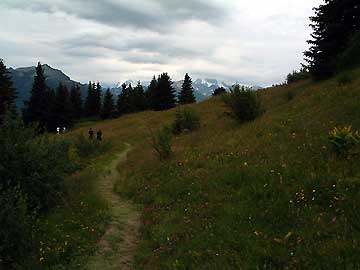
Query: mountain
(23, 79)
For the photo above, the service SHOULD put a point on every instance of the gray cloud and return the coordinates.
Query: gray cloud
(156, 15)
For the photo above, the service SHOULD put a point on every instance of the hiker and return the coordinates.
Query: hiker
(64, 130)
(99, 135)
(58, 130)
(91, 133)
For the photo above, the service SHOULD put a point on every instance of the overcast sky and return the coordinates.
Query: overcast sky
(254, 41)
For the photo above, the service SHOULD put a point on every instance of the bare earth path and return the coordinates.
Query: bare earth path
(117, 246)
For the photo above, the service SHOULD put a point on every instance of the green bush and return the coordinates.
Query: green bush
(15, 226)
(296, 76)
(161, 143)
(344, 78)
(86, 148)
(186, 120)
(243, 103)
(344, 139)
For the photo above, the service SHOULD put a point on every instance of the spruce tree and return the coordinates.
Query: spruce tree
(186, 95)
(165, 93)
(62, 108)
(97, 99)
(107, 110)
(89, 110)
(7, 91)
(37, 108)
(123, 101)
(76, 102)
(150, 94)
(334, 23)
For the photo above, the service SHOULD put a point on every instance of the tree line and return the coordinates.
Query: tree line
(60, 107)
(336, 25)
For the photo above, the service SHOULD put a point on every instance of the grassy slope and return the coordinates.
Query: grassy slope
(269, 194)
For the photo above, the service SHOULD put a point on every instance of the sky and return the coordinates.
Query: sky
(253, 42)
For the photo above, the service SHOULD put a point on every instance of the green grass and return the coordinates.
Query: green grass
(68, 235)
(268, 194)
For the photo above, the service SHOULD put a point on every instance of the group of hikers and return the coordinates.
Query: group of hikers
(98, 134)
(91, 133)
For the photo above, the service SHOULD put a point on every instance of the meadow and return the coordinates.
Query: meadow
(267, 194)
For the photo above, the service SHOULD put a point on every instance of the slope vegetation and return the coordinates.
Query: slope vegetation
(269, 194)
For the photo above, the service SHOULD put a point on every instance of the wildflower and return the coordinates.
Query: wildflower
(245, 164)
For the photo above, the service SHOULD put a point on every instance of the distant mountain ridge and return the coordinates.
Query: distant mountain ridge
(23, 79)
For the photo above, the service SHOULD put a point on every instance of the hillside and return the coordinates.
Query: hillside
(269, 194)
(23, 79)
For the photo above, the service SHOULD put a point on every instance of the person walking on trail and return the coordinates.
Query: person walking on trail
(58, 130)
(64, 130)
(99, 135)
(91, 133)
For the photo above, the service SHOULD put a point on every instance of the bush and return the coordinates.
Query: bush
(243, 103)
(161, 143)
(344, 78)
(186, 119)
(296, 76)
(15, 226)
(86, 147)
(219, 91)
(344, 139)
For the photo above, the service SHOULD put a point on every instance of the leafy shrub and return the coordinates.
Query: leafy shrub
(344, 78)
(243, 103)
(86, 147)
(219, 91)
(344, 139)
(186, 119)
(161, 143)
(296, 76)
(290, 95)
(15, 226)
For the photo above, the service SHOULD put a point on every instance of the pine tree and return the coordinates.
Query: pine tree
(89, 110)
(97, 99)
(136, 98)
(62, 108)
(334, 23)
(7, 91)
(37, 108)
(76, 102)
(107, 110)
(151, 93)
(123, 101)
(164, 97)
(187, 92)
(219, 91)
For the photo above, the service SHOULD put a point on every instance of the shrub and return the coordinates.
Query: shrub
(219, 91)
(186, 119)
(344, 139)
(296, 76)
(344, 78)
(243, 103)
(86, 147)
(290, 95)
(161, 143)
(15, 226)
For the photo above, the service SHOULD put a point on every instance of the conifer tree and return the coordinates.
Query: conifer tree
(37, 108)
(97, 99)
(187, 92)
(89, 110)
(164, 97)
(107, 110)
(334, 24)
(7, 91)
(76, 102)
(123, 101)
(151, 93)
(62, 108)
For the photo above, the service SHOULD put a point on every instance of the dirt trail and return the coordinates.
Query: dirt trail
(117, 246)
